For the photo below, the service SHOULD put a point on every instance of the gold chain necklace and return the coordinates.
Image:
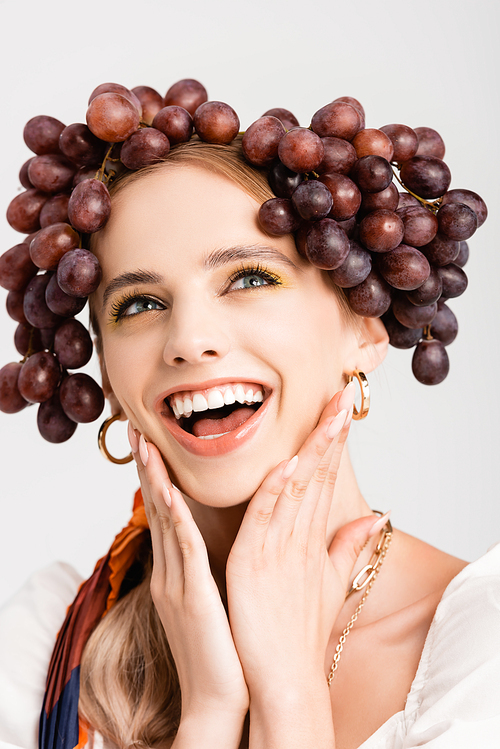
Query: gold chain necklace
(364, 579)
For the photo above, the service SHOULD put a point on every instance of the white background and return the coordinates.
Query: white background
(430, 454)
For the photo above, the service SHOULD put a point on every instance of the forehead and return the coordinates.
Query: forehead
(179, 213)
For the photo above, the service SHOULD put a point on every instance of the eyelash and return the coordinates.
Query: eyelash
(119, 307)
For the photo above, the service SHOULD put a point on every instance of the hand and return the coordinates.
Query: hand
(285, 588)
(187, 599)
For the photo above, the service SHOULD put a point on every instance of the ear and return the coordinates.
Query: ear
(370, 348)
(108, 391)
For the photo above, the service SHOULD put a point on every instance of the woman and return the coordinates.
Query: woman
(229, 353)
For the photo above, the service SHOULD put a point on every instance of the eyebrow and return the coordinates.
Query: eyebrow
(216, 259)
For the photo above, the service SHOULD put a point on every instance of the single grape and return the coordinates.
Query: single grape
(412, 316)
(15, 306)
(312, 200)
(85, 172)
(79, 273)
(151, 102)
(345, 195)
(404, 268)
(387, 199)
(51, 173)
(11, 400)
(47, 336)
(187, 93)
(472, 199)
(23, 213)
(354, 103)
(61, 303)
(39, 377)
(381, 231)
(23, 174)
(55, 210)
(216, 122)
(327, 245)
(283, 181)
(404, 141)
(112, 118)
(81, 398)
(277, 216)
(301, 150)
(454, 280)
(457, 221)
(370, 141)
(174, 122)
(27, 338)
(117, 88)
(35, 307)
(283, 115)
(339, 156)
(406, 201)
(350, 226)
(72, 344)
(463, 255)
(354, 269)
(426, 176)
(430, 143)
(445, 325)
(372, 297)
(399, 335)
(371, 174)
(337, 120)
(17, 267)
(52, 422)
(51, 243)
(41, 134)
(89, 206)
(144, 147)
(429, 292)
(420, 226)
(441, 251)
(430, 363)
(261, 140)
(79, 144)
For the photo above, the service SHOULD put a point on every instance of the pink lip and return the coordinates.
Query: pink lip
(220, 445)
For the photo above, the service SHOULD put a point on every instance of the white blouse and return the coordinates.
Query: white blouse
(454, 701)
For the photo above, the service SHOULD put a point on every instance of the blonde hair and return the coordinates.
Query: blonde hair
(129, 689)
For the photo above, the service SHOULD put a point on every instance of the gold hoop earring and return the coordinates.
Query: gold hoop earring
(101, 441)
(365, 395)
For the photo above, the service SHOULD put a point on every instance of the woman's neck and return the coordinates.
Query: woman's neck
(219, 526)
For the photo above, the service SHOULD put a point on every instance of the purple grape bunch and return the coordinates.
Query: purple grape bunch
(397, 254)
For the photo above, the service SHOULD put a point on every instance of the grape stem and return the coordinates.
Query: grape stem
(100, 172)
(432, 206)
(427, 333)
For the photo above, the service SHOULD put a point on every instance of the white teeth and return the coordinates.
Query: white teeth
(249, 396)
(212, 436)
(178, 405)
(258, 397)
(215, 399)
(176, 411)
(188, 407)
(229, 397)
(199, 402)
(239, 394)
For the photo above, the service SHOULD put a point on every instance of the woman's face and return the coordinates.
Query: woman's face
(198, 307)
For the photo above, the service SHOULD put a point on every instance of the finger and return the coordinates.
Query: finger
(190, 542)
(350, 540)
(304, 486)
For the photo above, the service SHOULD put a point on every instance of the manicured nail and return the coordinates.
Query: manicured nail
(379, 524)
(166, 495)
(336, 425)
(143, 450)
(347, 398)
(132, 438)
(290, 467)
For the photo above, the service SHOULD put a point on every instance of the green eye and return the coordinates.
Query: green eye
(141, 305)
(250, 282)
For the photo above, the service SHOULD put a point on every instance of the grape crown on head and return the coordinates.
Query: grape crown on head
(398, 255)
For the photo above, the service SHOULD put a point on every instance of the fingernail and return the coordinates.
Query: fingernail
(166, 495)
(132, 438)
(336, 424)
(379, 524)
(290, 467)
(143, 450)
(347, 398)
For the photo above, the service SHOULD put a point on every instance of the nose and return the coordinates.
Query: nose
(195, 334)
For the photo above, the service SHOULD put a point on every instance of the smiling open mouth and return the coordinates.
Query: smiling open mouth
(212, 413)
